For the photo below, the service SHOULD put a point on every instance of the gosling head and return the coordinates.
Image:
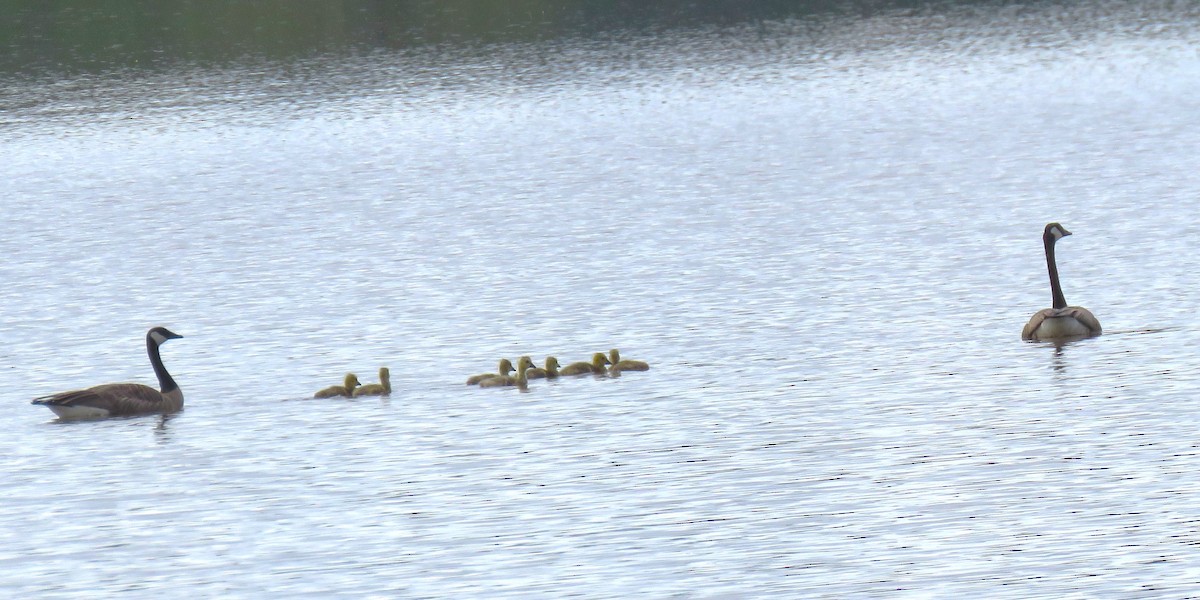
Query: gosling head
(351, 381)
(1055, 232)
(551, 363)
(614, 355)
(524, 363)
(506, 366)
(384, 374)
(599, 359)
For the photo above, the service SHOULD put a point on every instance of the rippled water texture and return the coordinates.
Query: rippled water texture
(823, 233)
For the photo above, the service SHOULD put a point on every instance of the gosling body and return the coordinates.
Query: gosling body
(346, 389)
(505, 367)
(550, 372)
(1060, 322)
(520, 380)
(596, 367)
(122, 399)
(618, 365)
(383, 388)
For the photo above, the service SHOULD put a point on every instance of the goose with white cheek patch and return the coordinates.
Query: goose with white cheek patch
(122, 399)
(1060, 322)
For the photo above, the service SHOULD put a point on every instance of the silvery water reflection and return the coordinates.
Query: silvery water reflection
(825, 240)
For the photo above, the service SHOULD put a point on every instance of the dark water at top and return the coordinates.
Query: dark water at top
(141, 34)
(820, 225)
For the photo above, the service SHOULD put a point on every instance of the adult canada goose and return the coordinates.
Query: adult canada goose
(550, 372)
(346, 389)
(521, 381)
(383, 388)
(1060, 321)
(119, 399)
(504, 369)
(580, 368)
(618, 365)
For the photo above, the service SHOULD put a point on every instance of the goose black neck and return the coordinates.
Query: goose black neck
(165, 382)
(1052, 266)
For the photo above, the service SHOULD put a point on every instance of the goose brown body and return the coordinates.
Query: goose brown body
(1059, 322)
(122, 399)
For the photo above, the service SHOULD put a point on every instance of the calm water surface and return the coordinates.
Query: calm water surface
(824, 235)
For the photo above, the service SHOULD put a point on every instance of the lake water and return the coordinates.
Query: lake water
(823, 232)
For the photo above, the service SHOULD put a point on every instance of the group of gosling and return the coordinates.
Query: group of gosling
(599, 365)
(1059, 323)
(351, 388)
(612, 364)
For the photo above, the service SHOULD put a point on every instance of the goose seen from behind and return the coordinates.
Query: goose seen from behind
(383, 388)
(1060, 322)
(122, 399)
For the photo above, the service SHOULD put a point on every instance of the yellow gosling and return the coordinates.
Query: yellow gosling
(595, 367)
(618, 365)
(550, 372)
(524, 362)
(346, 389)
(504, 369)
(521, 381)
(383, 388)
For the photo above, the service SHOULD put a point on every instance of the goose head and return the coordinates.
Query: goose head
(161, 334)
(1055, 232)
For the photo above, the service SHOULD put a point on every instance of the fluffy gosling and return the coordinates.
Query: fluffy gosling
(521, 381)
(346, 389)
(550, 372)
(504, 369)
(596, 367)
(618, 365)
(383, 388)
